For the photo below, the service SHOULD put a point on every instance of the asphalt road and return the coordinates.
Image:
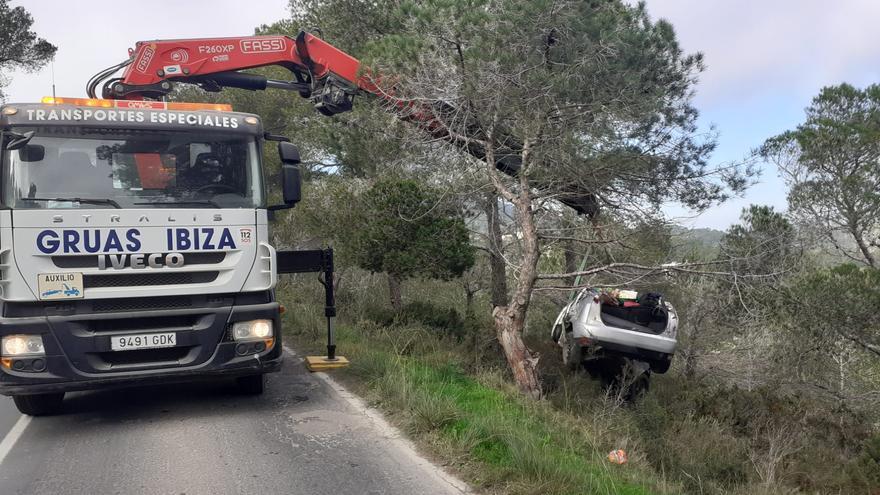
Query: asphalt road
(304, 435)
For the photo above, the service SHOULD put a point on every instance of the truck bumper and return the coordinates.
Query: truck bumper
(79, 355)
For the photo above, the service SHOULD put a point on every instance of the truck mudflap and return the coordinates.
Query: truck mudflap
(80, 355)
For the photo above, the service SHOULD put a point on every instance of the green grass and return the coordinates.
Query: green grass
(497, 440)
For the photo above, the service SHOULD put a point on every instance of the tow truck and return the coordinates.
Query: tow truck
(134, 232)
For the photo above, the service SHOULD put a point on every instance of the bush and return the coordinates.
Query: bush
(700, 451)
(423, 313)
(380, 315)
(865, 469)
(434, 316)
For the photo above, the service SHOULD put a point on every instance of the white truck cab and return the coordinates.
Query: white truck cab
(134, 248)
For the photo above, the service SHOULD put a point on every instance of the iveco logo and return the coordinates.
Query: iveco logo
(139, 260)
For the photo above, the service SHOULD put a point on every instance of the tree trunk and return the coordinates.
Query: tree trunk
(523, 362)
(571, 261)
(510, 320)
(863, 247)
(394, 291)
(470, 318)
(496, 260)
(690, 362)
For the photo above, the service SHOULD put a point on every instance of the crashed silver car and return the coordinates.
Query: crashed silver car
(601, 323)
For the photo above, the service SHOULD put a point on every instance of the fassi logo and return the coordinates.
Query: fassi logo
(146, 58)
(262, 45)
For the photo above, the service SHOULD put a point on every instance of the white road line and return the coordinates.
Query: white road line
(14, 434)
(389, 432)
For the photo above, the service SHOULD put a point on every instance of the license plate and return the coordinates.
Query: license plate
(143, 341)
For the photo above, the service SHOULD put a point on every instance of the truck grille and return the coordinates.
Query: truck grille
(139, 279)
(141, 304)
(152, 357)
(91, 261)
(145, 323)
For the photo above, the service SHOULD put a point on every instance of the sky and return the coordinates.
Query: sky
(766, 60)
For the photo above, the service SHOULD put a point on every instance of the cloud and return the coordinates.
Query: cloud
(796, 46)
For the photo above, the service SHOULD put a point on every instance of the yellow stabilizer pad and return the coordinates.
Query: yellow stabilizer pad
(320, 363)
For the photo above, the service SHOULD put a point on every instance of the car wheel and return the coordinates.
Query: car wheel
(639, 388)
(251, 384)
(39, 404)
(661, 366)
(572, 353)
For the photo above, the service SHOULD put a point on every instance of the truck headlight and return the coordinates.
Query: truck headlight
(252, 330)
(22, 345)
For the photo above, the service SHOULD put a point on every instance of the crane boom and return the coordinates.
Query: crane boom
(326, 75)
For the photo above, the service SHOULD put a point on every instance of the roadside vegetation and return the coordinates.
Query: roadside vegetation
(451, 272)
(440, 377)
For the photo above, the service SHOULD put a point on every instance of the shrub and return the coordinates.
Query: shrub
(424, 313)
(864, 470)
(433, 316)
(702, 452)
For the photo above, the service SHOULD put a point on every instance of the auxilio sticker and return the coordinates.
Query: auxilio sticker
(60, 285)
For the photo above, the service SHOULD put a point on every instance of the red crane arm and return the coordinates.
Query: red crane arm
(325, 74)
(156, 61)
(320, 71)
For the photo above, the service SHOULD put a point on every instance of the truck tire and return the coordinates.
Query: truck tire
(39, 404)
(251, 384)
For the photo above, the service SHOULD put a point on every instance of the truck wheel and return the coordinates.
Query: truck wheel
(39, 404)
(251, 384)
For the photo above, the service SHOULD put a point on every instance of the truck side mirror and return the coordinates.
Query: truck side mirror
(31, 153)
(291, 181)
(289, 153)
(291, 184)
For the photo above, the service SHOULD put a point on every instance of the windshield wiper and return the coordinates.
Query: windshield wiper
(208, 202)
(88, 201)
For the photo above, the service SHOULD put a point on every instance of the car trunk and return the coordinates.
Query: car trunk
(639, 318)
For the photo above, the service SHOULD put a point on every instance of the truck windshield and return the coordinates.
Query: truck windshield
(67, 167)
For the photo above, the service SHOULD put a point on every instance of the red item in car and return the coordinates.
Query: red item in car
(630, 304)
